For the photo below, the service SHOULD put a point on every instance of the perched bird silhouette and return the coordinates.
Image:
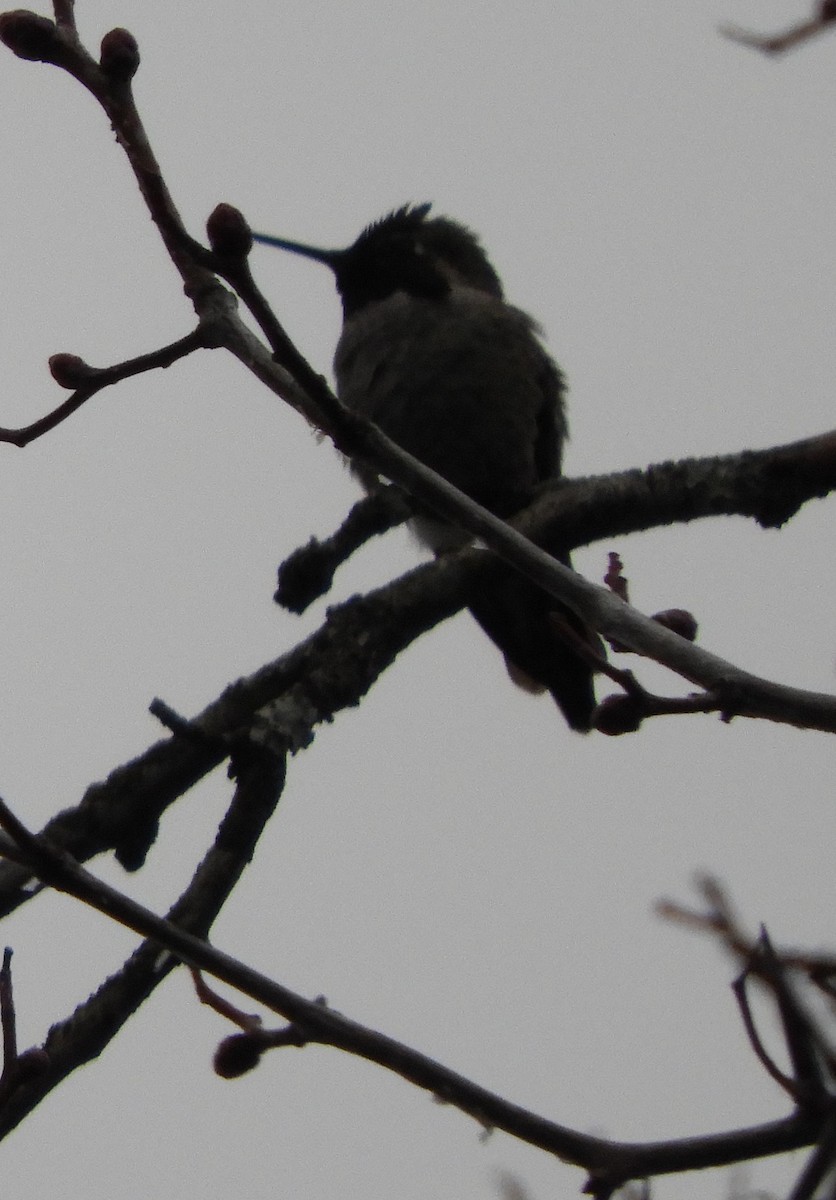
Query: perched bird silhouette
(431, 352)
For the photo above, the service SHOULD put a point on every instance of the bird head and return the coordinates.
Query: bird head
(402, 252)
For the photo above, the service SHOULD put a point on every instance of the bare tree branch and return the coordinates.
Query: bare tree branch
(309, 571)
(788, 39)
(779, 483)
(819, 1165)
(610, 1164)
(260, 775)
(258, 720)
(70, 371)
(809, 1048)
(361, 637)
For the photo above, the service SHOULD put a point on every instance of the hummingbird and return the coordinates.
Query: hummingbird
(432, 353)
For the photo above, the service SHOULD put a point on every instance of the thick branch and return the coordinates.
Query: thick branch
(86, 1033)
(361, 638)
(769, 485)
(284, 703)
(34, 37)
(609, 1163)
(329, 671)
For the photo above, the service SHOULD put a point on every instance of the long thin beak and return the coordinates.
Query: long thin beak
(329, 257)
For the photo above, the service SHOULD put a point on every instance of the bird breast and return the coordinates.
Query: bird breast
(463, 384)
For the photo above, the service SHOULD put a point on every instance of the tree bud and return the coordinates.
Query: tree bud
(69, 371)
(119, 57)
(617, 714)
(30, 36)
(680, 621)
(228, 232)
(237, 1054)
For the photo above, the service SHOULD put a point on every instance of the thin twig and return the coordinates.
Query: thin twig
(17, 1068)
(64, 13)
(221, 1006)
(778, 43)
(188, 730)
(236, 271)
(611, 1163)
(96, 378)
(766, 1061)
(7, 1012)
(805, 1043)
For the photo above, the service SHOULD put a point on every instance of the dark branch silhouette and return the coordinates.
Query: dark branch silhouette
(777, 43)
(610, 1164)
(70, 371)
(258, 720)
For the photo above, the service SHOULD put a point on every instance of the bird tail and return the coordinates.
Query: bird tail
(519, 618)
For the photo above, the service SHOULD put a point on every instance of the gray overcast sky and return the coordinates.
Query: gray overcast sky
(449, 864)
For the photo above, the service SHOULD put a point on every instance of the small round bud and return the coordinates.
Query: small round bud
(30, 36)
(680, 621)
(119, 57)
(69, 371)
(615, 579)
(616, 715)
(237, 1054)
(827, 10)
(228, 232)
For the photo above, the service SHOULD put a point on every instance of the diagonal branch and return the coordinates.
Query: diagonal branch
(328, 671)
(332, 669)
(84, 1035)
(109, 81)
(72, 372)
(764, 1058)
(609, 1163)
(778, 43)
(805, 1044)
(768, 485)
